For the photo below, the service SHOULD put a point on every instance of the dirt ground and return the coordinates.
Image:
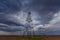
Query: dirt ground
(53, 38)
(29, 38)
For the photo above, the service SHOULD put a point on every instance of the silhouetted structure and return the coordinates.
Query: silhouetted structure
(28, 26)
(29, 20)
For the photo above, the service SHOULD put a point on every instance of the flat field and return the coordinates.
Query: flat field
(22, 38)
(29, 37)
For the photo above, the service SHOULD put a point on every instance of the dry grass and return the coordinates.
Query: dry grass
(32, 38)
(22, 37)
(29, 37)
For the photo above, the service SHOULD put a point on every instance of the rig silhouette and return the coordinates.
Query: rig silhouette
(28, 24)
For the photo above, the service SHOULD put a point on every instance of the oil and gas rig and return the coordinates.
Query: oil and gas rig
(28, 24)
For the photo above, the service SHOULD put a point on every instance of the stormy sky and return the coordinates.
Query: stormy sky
(44, 13)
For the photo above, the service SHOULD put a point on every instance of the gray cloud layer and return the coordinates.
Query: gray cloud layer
(44, 8)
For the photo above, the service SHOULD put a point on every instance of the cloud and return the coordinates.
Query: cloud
(44, 13)
(11, 33)
(52, 28)
(46, 9)
(9, 6)
(56, 20)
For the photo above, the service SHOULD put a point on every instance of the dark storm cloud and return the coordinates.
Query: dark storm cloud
(6, 29)
(11, 23)
(46, 6)
(46, 9)
(10, 5)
